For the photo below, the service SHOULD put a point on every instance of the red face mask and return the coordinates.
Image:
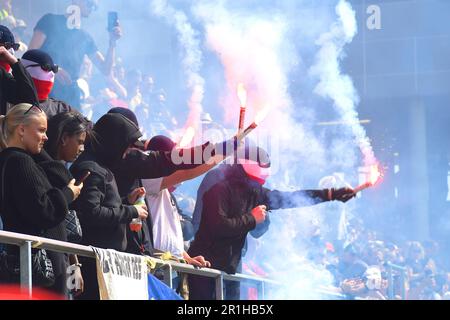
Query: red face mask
(254, 171)
(43, 80)
(5, 66)
(43, 88)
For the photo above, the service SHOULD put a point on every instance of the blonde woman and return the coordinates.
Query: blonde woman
(29, 203)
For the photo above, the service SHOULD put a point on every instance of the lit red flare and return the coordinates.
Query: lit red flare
(375, 175)
(242, 95)
(258, 119)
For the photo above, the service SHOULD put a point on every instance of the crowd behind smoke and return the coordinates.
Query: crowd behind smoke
(270, 51)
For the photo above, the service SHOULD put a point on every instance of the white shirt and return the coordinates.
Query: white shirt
(167, 233)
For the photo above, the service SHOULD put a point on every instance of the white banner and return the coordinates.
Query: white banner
(121, 276)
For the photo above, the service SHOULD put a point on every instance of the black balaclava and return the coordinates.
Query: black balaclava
(113, 134)
(127, 113)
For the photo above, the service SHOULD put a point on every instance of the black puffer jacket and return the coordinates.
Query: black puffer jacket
(103, 217)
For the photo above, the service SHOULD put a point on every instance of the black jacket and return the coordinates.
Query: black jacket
(104, 218)
(147, 165)
(16, 88)
(31, 204)
(226, 216)
(59, 177)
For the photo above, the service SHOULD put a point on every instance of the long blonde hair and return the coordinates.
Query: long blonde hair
(16, 116)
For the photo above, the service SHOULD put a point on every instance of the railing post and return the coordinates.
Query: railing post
(219, 287)
(168, 275)
(262, 295)
(25, 268)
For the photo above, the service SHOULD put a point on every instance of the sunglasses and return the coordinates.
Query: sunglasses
(9, 45)
(46, 67)
(33, 106)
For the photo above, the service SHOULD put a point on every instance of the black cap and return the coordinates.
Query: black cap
(39, 56)
(6, 35)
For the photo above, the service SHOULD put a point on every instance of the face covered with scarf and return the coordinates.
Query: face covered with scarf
(42, 70)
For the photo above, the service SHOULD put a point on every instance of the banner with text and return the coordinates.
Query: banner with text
(121, 276)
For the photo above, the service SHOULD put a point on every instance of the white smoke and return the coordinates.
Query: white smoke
(191, 56)
(339, 87)
(254, 50)
(260, 49)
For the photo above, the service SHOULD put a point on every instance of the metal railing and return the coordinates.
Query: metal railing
(392, 270)
(27, 242)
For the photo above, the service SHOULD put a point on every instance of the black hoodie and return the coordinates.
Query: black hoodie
(103, 217)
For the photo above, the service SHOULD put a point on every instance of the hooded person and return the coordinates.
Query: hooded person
(235, 204)
(16, 85)
(42, 69)
(104, 218)
(156, 163)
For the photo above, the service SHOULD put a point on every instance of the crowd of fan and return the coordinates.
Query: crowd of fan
(360, 268)
(360, 265)
(122, 87)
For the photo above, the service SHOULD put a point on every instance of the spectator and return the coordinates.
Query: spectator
(235, 206)
(350, 264)
(67, 133)
(17, 87)
(66, 136)
(133, 87)
(42, 70)
(68, 45)
(138, 165)
(167, 232)
(103, 217)
(415, 261)
(6, 14)
(431, 255)
(30, 204)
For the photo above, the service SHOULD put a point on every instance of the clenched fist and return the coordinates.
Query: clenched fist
(259, 213)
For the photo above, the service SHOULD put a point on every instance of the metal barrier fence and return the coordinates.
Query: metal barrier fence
(27, 242)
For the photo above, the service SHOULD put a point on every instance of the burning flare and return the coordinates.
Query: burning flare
(258, 119)
(242, 95)
(375, 176)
